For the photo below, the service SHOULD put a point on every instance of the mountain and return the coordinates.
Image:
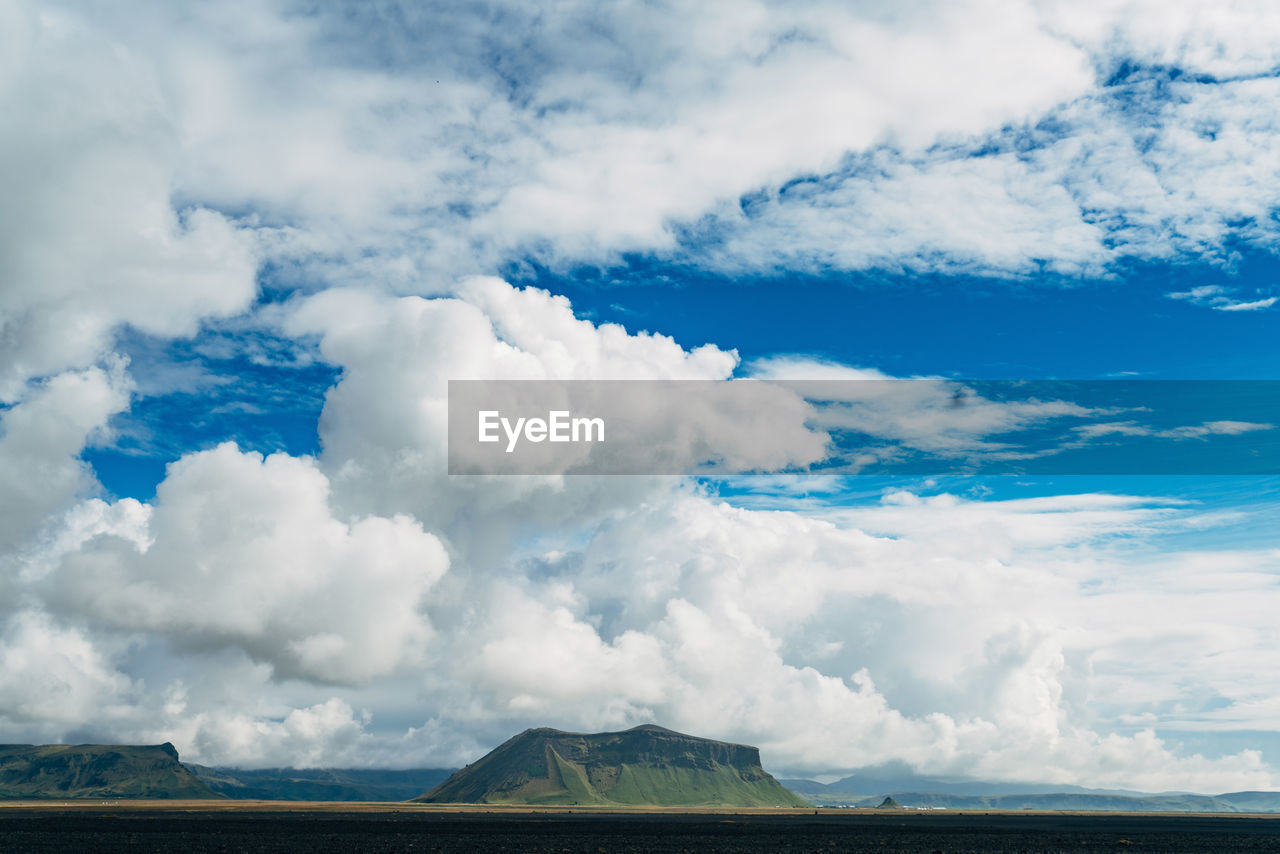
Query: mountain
(320, 784)
(647, 765)
(1253, 801)
(897, 777)
(1070, 801)
(998, 796)
(96, 771)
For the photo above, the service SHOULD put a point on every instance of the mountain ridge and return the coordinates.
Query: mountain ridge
(644, 765)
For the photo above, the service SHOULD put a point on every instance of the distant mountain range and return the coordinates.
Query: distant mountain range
(912, 791)
(647, 765)
(641, 766)
(125, 771)
(897, 777)
(320, 784)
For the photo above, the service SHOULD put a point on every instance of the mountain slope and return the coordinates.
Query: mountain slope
(96, 771)
(647, 765)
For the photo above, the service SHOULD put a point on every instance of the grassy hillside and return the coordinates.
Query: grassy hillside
(96, 771)
(647, 765)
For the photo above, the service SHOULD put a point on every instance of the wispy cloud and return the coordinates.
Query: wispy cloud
(1191, 431)
(1221, 298)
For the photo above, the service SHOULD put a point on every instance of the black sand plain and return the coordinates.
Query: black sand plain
(395, 828)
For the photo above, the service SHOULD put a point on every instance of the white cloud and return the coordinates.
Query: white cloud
(978, 137)
(992, 638)
(244, 552)
(385, 425)
(932, 414)
(733, 120)
(40, 443)
(1190, 431)
(90, 238)
(1003, 639)
(53, 677)
(978, 617)
(1222, 39)
(1220, 298)
(996, 214)
(305, 737)
(960, 636)
(592, 132)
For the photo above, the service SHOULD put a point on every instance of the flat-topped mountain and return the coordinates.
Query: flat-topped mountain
(647, 765)
(96, 771)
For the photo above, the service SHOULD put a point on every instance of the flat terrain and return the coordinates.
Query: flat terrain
(328, 827)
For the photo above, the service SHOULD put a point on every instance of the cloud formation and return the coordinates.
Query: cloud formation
(378, 611)
(361, 607)
(411, 144)
(90, 239)
(243, 551)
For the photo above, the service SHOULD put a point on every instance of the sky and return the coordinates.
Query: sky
(245, 246)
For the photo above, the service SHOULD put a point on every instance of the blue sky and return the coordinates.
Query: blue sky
(980, 328)
(1121, 327)
(257, 241)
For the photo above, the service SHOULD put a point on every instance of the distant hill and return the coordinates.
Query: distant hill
(1068, 801)
(647, 765)
(867, 790)
(1253, 801)
(896, 777)
(320, 784)
(96, 771)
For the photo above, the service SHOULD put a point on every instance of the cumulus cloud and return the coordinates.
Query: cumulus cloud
(374, 603)
(945, 640)
(40, 443)
(384, 427)
(54, 677)
(243, 551)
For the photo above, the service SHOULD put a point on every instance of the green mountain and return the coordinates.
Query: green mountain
(96, 771)
(647, 765)
(320, 784)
